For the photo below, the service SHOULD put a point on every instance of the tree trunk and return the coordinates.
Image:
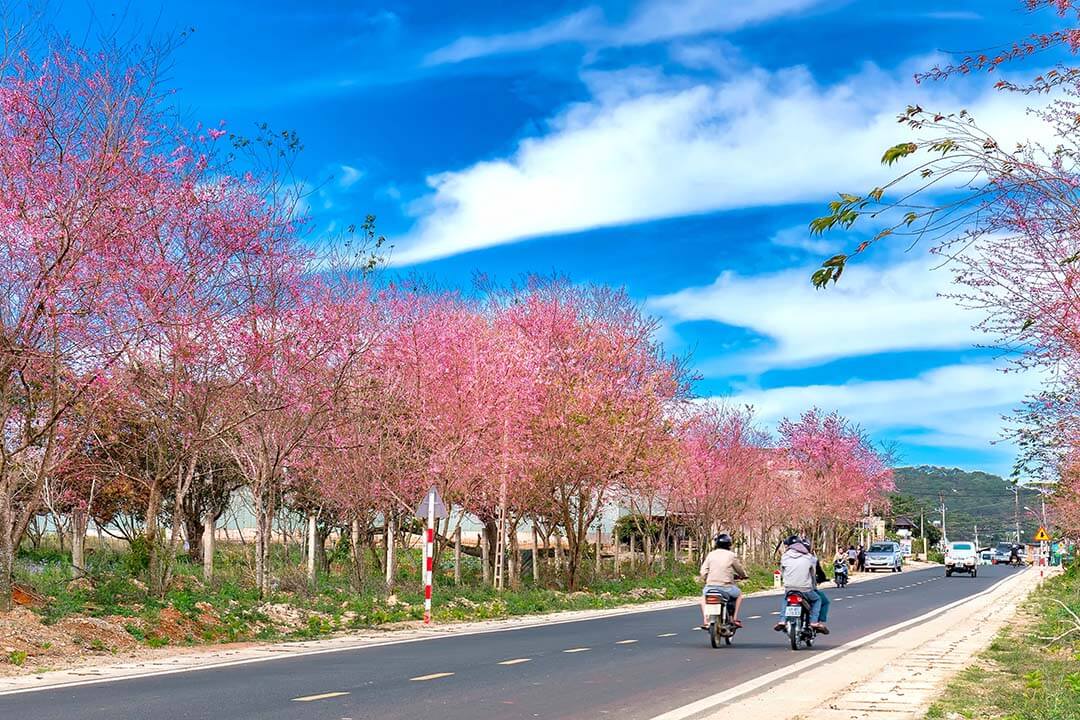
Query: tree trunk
(150, 532)
(207, 547)
(485, 556)
(389, 523)
(514, 560)
(599, 544)
(457, 556)
(618, 547)
(7, 552)
(312, 539)
(195, 530)
(78, 543)
(356, 546)
(536, 557)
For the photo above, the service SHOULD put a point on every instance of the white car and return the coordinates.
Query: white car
(962, 557)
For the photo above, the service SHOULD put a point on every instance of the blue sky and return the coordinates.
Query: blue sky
(677, 148)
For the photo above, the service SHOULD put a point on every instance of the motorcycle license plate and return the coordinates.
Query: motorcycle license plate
(793, 611)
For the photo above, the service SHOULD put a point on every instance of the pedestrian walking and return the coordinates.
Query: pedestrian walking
(861, 557)
(852, 557)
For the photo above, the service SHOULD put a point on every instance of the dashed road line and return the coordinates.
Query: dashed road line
(754, 617)
(625, 642)
(432, 676)
(322, 696)
(667, 634)
(515, 661)
(576, 650)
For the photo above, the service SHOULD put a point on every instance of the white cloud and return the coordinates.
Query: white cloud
(349, 176)
(799, 238)
(652, 21)
(871, 310)
(650, 146)
(952, 406)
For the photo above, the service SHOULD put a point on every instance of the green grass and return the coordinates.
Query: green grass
(115, 589)
(1022, 675)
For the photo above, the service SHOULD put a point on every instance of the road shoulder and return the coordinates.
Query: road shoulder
(895, 676)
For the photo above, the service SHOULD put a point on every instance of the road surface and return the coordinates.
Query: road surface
(629, 667)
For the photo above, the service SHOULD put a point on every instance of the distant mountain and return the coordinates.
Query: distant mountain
(971, 498)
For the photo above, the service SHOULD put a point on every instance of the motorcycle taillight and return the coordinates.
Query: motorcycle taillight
(794, 600)
(712, 599)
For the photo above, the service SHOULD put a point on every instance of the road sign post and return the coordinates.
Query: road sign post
(430, 509)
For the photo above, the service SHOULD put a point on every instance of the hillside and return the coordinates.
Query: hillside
(971, 498)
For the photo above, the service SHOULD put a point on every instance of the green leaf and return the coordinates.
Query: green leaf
(896, 152)
(835, 261)
(877, 193)
(821, 277)
(910, 218)
(1027, 323)
(1071, 259)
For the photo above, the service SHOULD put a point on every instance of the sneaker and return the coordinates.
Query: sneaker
(820, 627)
(779, 627)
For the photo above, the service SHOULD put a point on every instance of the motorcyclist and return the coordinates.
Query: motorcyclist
(1014, 554)
(800, 571)
(721, 569)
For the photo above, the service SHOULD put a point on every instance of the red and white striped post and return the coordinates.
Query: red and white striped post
(429, 556)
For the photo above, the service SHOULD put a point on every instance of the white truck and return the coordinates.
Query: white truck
(962, 557)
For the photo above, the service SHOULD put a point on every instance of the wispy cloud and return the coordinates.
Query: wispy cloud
(652, 21)
(872, 310)
(349, 176)
(651, 146)
(953, 406)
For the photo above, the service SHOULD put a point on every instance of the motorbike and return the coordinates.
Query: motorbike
(797, 619)
(720, 608)
(840, 573)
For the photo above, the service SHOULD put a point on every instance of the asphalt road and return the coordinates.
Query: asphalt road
(631, 666)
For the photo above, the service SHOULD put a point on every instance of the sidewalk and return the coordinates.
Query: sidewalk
(897, 675)
(177, 659)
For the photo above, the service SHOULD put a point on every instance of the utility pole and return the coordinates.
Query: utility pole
(922, 532)
(1016, 514)
(944, 535)
(977, 537)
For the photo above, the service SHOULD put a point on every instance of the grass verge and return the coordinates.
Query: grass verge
(1032, 669)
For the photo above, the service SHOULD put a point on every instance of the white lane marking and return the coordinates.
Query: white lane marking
(515, 661)
(432, 676)
(708, 703)
(775, 612)
(576, 650)
(625, 642)
(323, 696)
(755, 617)
(667, 634)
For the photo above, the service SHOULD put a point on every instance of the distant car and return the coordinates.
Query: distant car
(986, 556)
(961, 557)
(1001, 552)
(884, 556)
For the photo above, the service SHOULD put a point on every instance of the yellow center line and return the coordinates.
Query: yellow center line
(323, 696)
(516, 661)
(432, 676)
(625, 642)
(575, 650)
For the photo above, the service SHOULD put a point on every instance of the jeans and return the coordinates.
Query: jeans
(824, 614)
(817, 599)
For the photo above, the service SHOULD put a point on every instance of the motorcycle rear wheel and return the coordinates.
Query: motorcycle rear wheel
(714, 634)
(793, 635)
